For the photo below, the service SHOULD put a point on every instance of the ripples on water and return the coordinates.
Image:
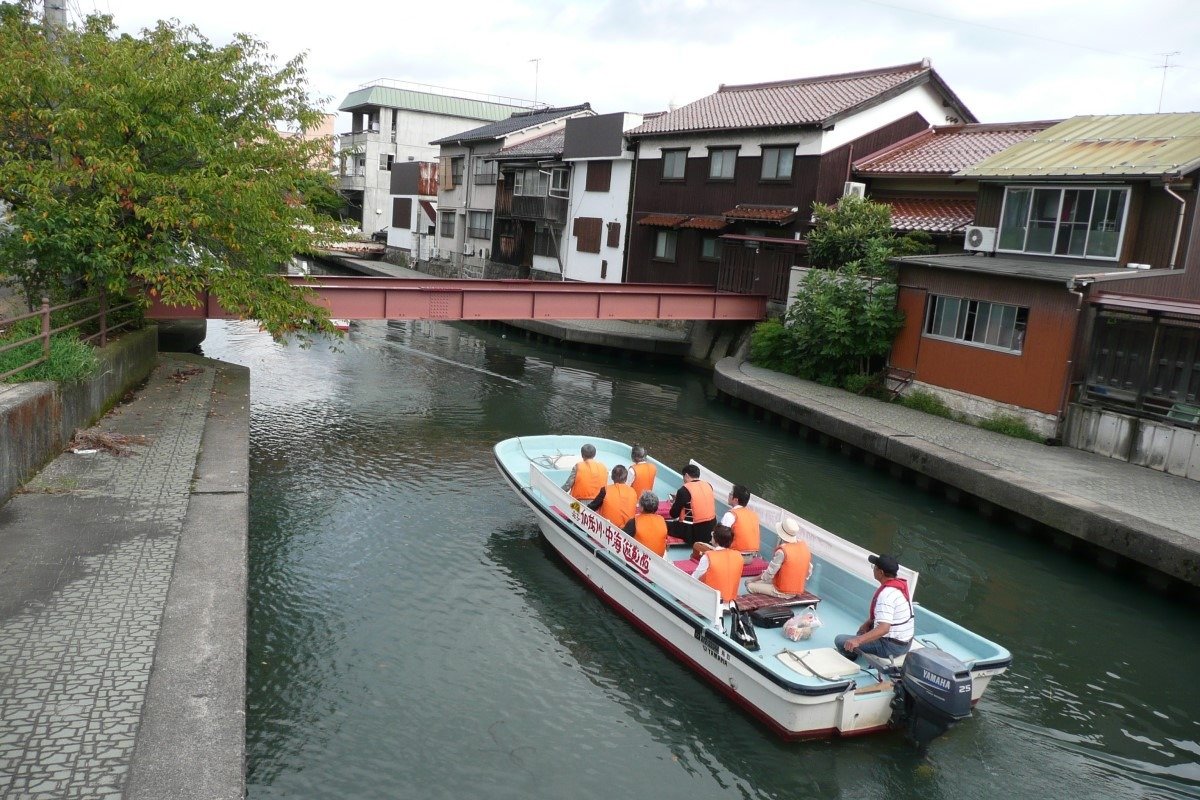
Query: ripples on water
(410, 635)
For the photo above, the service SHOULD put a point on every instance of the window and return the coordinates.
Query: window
(479, 224)
(560, 183)
(545, 243)
(614, 234)
(708, 248)
(674, 163)
(385, 161)
(1062, 221)
(599, 176)
(531, 183)
(977, 322)
(721, 162)
(777, 163)
(456, 171)
(402, 213)
(664, 245)
(485, 173)
(360, 166)
(447, 224)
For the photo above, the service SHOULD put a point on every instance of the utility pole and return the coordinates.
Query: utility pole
(537, 63)
(1166, 65)
(55, 14)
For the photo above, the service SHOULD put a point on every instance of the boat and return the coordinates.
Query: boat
(340, 324)
(800, 689)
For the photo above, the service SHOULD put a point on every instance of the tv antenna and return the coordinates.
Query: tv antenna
(1166, 65)
(537, 63)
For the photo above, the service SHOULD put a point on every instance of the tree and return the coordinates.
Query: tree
(156, 163)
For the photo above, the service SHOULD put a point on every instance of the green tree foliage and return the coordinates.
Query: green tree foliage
(156, 163)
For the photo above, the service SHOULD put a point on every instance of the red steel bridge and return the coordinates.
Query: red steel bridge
(365, 298)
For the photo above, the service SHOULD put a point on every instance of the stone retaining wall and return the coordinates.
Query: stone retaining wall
(38, 419)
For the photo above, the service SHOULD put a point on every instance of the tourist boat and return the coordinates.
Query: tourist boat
(800, 689)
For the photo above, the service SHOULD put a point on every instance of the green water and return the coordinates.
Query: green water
(411, 635)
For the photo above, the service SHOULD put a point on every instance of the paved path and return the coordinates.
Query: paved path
(88, 557)
(1141, 513)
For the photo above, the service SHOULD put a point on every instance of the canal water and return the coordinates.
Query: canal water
(411, 635)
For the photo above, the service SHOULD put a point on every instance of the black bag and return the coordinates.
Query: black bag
(771, 616)
(742, 629)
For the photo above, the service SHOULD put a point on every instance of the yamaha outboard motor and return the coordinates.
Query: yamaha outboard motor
(932, 693)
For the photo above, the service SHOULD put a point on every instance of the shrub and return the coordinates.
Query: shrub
(921, 400)
(770, 345)
(70, 359)
(1011, 425)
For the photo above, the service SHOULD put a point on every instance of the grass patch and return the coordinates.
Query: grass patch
(1011, 425)
(920, 400)
(70, 359)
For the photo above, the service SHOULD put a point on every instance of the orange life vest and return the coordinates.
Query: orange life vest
(620, 502)
(723, 573)
(651, 532)
(590, 477)
(643, 477)
(793, 573)
(703, 507)
(745, 530)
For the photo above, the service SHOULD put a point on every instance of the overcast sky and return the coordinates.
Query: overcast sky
(1008, 60)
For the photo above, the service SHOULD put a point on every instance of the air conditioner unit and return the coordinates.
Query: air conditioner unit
(980, 239)
(854, 189)
(468, 249)
(483, 253)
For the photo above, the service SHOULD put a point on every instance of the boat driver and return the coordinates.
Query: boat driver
(587, 477)
(889, 631)
(693, 514)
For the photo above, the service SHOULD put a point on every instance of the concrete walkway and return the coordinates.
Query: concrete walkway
(1147, 516)
(122, 602)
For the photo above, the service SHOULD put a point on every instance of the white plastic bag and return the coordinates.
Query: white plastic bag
(801, 626)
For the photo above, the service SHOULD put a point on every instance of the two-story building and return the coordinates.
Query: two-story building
(724, 186)
(412, 228)
(1080, 295)
(469, 194)
(394, 122)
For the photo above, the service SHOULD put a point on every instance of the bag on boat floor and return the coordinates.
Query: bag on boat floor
(771, 616)
(741, 628)
(801, 626)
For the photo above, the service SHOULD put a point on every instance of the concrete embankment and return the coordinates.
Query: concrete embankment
(1112, 510)
(123, 609)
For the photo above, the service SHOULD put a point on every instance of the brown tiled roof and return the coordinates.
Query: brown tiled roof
(802, 102)
(946, 149)
(706, 223)
(936, 215)
(779, 214)
(548, 144)
(663, 220)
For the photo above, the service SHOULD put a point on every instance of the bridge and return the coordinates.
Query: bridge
(467, 299)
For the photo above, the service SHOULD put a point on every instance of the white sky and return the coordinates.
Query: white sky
(1008, 60)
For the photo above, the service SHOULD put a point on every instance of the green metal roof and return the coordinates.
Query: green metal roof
(409, 100)
(1130, 145)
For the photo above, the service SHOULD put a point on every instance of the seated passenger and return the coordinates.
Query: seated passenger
(647, 526)
(743, 522)
(721, 567)
(693, 514)
(790, 566)
(641, 472)
(587, 477)
(617, 501)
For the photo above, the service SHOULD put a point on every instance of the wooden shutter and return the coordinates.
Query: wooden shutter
(599, 176)
(587, 233)
(402, 213)
(614, 234)
(445, 175)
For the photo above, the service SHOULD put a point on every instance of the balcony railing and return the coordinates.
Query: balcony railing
(553, 209)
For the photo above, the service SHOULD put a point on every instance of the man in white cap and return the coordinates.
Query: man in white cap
(790, 566)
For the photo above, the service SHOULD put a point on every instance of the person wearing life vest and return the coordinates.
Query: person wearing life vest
(889, 631)
(617, 501)
(587, 477)
(648, 526)
(721, 567)
(693, 513)
(641, 472)
(790, 566)
(742, 521)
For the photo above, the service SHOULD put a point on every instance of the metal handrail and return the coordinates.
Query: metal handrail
(47, 331)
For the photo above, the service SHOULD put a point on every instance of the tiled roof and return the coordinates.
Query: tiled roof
(946, 149)
(706, 223)
(778, 214)
(548, 144)
(802, 102)
(936, 215)
(663, 220)
(518, 121)
(1133, 145)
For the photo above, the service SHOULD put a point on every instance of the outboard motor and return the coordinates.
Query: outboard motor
(932, 693)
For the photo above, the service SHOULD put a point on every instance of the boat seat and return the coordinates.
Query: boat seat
(894, 664)
(749, 602)
(751, 570)
(825, 663)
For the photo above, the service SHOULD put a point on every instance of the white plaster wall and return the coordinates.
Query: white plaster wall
(923, 99)
(807, 141)
(610, 206)
(407, 239)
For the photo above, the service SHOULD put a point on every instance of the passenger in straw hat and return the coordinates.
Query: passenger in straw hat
(790, 566)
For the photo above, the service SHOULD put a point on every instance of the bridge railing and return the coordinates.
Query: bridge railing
(47, 329)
